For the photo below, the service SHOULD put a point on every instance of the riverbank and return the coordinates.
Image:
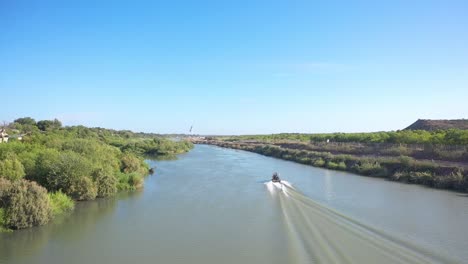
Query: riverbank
(398, 168)
(42, 175)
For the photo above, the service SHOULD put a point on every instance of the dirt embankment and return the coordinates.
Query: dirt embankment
(431, 125)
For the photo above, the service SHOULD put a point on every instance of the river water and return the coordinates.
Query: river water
(215, 205)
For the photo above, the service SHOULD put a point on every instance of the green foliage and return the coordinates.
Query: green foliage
(3, 227)
(341, 166)
(46, 125)
(106, 182)
(135, 180)
(131, 163)
(154, 147)
(370, 168)
(331, 165)
(25, 121)
(82, 188)
(319, 162)
(450, 136)
(77, 163)
(11, 168)
(123, 182)
(129, 182)
(65, 171)
(60, 203)
(26, 204)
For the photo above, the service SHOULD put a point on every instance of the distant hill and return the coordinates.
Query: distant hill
(427, 124)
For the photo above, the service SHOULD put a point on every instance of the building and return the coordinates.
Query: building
(3, 136)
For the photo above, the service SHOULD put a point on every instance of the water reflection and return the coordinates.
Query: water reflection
(24, 244)
(328, 185)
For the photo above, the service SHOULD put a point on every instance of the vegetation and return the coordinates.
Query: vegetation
(25, 204)
(443, 137)
(401, 168)
(51, 166)
(60, 203)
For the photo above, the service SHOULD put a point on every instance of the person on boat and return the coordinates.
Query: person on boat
(275, 177)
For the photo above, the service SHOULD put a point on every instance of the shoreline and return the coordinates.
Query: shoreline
(401, 169)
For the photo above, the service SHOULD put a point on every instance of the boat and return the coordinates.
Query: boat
(275, 177)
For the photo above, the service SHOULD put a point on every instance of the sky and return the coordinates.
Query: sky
(234, 67)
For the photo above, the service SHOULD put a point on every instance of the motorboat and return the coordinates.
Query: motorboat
(275, 177)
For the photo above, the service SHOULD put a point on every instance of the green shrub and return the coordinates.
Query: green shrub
(26, 204)
(131, 163)
(60, 203)
(11, 168)
(370, 168)
(46, 160)
(319, 162)
(331, 165)
(4, 188)
(122, 182)
(67, 174)
(341, 166)
(3, 227)
(304, 160)
(130, 181)
(106, 183)
(82, 188)
(135, 180)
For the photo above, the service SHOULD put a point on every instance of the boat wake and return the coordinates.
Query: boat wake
(318, 234)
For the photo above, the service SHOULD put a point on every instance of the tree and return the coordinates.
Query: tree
(46, 125)
(25, 121)
(68, 172)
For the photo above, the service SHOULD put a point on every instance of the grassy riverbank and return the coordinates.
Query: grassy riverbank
(51, 167)
(397, 168)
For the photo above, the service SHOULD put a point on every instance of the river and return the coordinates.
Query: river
(215, 205)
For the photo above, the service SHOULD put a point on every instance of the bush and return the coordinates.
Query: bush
(135, 180)
(131, 181)
(4, 188)
(3, 227)
(331, 165)
(131, 163)
(341, 166)
(46, 160)
(318, 162)
(82, 188)
(11, 168)
(60, 203)
(66, 174)
(122, 182)
(106, 183)
(370, 168)
(26, 204)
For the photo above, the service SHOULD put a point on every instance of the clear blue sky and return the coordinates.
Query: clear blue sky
(234, 67)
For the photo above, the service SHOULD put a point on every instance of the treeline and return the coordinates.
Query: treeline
(438, 137)
(403, 168)
(52, 166)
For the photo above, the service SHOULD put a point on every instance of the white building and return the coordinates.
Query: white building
(3, 136)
